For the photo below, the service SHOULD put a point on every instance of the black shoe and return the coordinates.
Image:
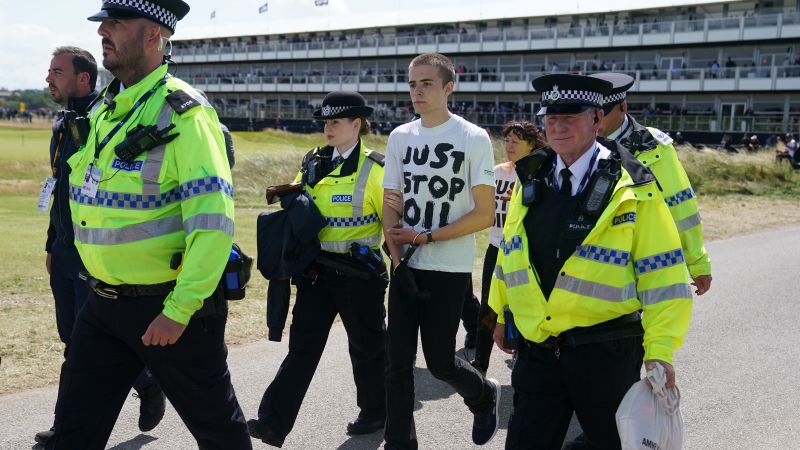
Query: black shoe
(484, 426)
(260, 431)
(579, 443)
(365, 426)
(152, 407)
(43, 436)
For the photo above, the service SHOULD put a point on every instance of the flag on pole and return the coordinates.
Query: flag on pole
(263, 8)
(214, 14)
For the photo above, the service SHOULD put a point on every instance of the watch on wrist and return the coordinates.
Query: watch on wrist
(429, 235)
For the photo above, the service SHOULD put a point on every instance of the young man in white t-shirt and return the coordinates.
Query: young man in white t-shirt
(438, 191)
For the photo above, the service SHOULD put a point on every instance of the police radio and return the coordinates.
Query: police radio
(78, 127)
(600, 187)
(141, 139)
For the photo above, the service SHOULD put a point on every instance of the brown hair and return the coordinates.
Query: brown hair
(82, 61)
(365, 126)
(442, 63)
(526, 131)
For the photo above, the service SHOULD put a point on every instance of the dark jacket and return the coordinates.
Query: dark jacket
(62, 146)
(287, 243)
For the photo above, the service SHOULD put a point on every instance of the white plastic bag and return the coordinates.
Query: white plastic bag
(650, 419)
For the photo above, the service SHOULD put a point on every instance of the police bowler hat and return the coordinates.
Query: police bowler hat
(163, 12)
(570, 94)
(339, 104)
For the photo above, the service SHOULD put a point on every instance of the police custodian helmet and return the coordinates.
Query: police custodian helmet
(622, 82)
(340, 104)
(163, 12)
(570, 94)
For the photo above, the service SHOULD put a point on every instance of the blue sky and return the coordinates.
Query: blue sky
(31, 29)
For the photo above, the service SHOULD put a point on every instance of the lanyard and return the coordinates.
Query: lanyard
(55, 153)
(99, 147)
(585, 178)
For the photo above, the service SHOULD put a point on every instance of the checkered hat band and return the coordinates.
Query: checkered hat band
(573, 96)
(149, 9)
(333, 110)
(616, 98)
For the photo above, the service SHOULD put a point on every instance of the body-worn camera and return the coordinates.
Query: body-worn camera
(141, 139)
(528, 170)
(78, 127)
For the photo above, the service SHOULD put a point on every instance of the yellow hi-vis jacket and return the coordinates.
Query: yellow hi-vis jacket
(174, 198)
(630, 260)
(352, 204)
(662, 159)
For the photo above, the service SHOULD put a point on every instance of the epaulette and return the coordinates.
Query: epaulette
(377, 157)
(310, 154)
(639, 141)
(181, 101)
(660, 136)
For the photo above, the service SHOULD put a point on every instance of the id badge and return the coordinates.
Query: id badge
(91, 180)
(45, 194)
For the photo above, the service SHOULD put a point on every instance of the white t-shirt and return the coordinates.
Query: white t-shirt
(436, 169)
(504, 178)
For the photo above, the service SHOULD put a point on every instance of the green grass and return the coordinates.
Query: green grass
(24, 144)
(716, 173)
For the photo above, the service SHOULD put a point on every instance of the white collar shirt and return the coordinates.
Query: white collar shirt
(580, 167)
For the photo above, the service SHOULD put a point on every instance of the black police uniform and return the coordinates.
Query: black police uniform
(69, 291)
(555, 228)
(107, 352)
(323, 291)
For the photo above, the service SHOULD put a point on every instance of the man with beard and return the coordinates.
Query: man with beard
(152, 209)
(71, 78)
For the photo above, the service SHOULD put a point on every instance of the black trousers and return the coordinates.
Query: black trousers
(359, 302)
(106, 355)
(436, 321)
(69, 291)
(70, 294)
(487, 319)
(589, 380)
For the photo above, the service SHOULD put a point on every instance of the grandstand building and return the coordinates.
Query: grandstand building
(719, 67)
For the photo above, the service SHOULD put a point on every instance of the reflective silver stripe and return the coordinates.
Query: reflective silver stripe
(344, 246)
(660, 261)
(155, 156)
(361, 186)
(689, 222)
(217, 222)
(131, 233)
(656, 295)
(498, 272)
(592, 289)
(517, 278)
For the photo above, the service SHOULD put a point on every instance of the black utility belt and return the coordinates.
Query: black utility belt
(629, 325)
(113, 292)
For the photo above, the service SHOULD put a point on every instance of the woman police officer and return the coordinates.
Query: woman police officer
(348, 278)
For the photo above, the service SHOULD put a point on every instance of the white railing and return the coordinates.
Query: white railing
(774, 26)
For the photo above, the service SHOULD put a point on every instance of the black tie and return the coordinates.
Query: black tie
(566, 184)
(337, 160)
